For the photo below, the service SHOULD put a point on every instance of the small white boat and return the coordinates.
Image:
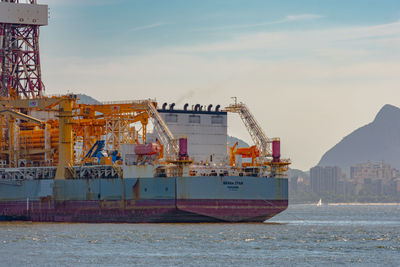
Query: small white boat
(319, 203)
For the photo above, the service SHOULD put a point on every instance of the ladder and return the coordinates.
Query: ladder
(256, 132)
(166, 136)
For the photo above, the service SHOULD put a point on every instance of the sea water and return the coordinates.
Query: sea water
(308, 235)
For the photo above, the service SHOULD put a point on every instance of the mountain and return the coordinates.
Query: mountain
(376, 141)
(85, 99)
(232, 140)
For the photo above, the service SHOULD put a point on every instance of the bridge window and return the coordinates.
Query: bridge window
(216, 119)
(171, 118)
(194, 119)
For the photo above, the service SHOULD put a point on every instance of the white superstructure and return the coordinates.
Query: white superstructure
(204, 127)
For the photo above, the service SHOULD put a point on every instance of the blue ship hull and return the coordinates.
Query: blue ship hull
(172, 199)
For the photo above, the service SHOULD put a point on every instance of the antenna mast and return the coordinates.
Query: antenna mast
(20, 72)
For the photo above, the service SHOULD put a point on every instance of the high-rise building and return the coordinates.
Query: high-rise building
(374, 171)
(324, 179)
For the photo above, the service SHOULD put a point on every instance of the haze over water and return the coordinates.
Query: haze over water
(364, 235)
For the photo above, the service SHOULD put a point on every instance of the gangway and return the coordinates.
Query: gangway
(256, 132)
(167, 138)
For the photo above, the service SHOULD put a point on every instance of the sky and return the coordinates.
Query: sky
(310, 71)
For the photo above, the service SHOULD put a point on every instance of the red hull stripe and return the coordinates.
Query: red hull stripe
(161, 210)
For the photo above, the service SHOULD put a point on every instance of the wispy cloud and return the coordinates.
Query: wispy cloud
(145, 27)
(300, 17)
(303, 41)
(289, 18)
(292, 18)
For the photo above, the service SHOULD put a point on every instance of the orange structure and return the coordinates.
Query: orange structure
(28, 141)
(245, 152)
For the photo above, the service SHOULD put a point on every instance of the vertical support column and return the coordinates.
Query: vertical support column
(47, 142)
(16, 144)
(144, 134)
(2, 134)
(65, 136)
(11, 130)
(4, 59)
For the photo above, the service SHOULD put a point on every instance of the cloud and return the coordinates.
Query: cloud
(145, 27)
(300, 17)
(290, 18)
(303, 41)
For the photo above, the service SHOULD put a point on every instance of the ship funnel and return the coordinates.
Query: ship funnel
(217, 108)
(185, 106)
(171, 107)
(209, 107)
(164, 105)
(183, 151)
(276, 150)
(197, 107)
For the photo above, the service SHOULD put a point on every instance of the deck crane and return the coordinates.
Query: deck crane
(257, 134)
(167, 138)
(268, 157)
(95, 152)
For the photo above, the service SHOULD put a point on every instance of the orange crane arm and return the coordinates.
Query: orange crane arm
(232, 158)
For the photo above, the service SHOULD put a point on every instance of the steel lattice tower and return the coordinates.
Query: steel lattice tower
(20, 72)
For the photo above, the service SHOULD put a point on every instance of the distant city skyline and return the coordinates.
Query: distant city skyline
(310, 71)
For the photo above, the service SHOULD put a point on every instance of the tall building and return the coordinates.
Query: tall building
(375, 178)
(205, 128)
(325, 179)
(374, 171)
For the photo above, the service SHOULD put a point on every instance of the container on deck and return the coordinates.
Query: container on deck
(147, 149)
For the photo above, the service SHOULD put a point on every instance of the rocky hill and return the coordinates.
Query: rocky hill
(232, 140)
(376, 141)
(85, 99)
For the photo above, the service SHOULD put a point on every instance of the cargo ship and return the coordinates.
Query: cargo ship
(151, 177)
(66, 160)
